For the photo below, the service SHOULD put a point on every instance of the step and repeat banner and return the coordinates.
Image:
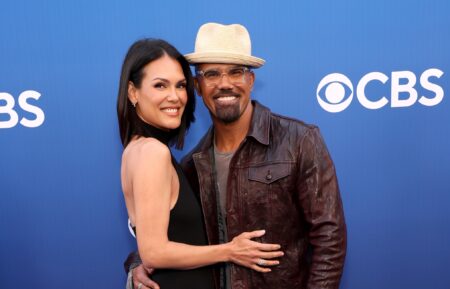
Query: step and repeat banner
(373, 75)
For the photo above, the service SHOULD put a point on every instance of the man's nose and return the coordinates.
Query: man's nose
(224, 81)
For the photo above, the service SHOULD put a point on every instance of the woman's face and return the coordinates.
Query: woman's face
(162, 97)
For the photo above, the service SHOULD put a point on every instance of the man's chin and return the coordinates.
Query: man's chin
(229, 120)
(228, 113)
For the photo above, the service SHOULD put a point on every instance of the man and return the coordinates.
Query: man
(258, 170)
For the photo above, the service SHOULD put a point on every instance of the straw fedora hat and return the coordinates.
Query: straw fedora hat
(229, 44)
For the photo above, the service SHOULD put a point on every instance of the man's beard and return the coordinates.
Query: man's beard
(227, 113)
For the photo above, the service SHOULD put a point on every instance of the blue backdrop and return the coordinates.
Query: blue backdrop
(62, 216)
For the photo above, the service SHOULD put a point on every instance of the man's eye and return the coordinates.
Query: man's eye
(236, 72)
(211, 74)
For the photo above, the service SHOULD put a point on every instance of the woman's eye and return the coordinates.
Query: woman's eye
(182, 85)
(160, 85)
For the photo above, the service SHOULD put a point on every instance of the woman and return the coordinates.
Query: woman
(155, 108)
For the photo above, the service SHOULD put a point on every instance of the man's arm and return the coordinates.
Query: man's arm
(322, 207)
(137, 273)
(133, 260)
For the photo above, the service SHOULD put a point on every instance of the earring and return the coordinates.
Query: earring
(134, 104)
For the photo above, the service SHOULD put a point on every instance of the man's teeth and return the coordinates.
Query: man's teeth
(227, 97)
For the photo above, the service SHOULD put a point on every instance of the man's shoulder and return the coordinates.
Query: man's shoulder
(289, 132)
(282, 123)
(188, 158)
(280, 120)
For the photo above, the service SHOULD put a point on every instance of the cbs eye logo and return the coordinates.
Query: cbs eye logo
(337, 90)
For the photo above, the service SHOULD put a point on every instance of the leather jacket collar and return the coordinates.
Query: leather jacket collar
(259, 127)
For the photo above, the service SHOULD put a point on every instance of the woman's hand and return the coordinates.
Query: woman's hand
(251, 254)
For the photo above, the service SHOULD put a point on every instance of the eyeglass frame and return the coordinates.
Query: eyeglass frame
(212, 84)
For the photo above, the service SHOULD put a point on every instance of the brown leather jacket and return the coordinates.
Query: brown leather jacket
(283, 180)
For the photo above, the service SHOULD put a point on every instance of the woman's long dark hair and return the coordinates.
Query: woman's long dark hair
(141, 53)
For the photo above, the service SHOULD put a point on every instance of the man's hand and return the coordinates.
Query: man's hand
(141, 278)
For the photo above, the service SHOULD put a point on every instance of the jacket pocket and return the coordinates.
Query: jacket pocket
(269, 173)
(265, 181)
(268, 200)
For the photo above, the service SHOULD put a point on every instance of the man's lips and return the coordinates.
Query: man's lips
(225, 97)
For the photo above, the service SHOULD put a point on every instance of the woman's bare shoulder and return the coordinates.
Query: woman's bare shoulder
(146, 150)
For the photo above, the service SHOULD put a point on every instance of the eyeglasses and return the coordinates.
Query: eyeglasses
(212, 77)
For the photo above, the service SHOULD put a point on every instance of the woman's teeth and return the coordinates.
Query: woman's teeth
(170, 109)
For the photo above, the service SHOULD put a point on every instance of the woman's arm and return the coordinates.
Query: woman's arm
(151, 179)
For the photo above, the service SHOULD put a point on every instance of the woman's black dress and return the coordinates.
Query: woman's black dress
(186, 225)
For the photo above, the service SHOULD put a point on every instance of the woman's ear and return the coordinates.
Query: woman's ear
(132, 94)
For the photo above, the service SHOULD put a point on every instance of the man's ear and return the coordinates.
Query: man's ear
(252, 79)
(197, 87)
(132, 95)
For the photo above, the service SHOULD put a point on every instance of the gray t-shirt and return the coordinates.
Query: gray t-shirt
(222, 167)
(222, 161)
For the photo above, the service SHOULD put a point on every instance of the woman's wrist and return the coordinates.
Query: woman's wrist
(226, 251)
